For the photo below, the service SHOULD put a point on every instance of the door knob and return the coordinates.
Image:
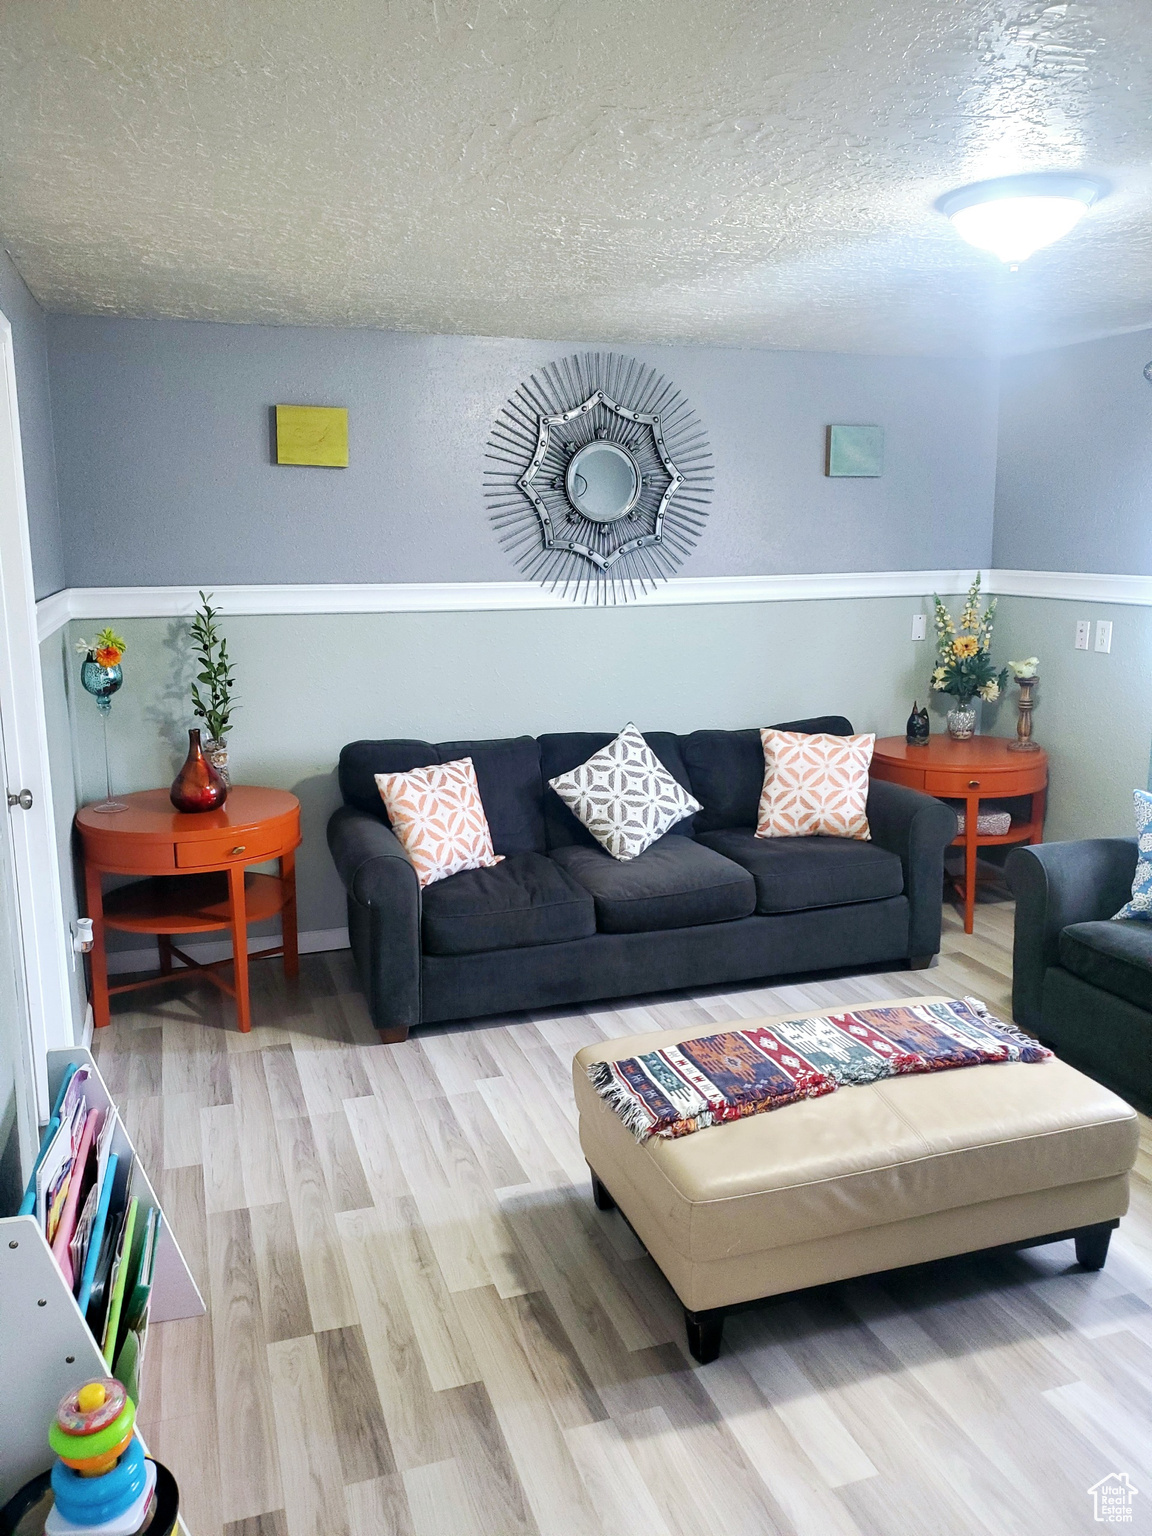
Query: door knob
(23, 800)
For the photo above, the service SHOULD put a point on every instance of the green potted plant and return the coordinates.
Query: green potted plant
(963, 665)
(213, 705)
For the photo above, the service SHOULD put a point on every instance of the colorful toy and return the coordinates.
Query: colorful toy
(102, 1483)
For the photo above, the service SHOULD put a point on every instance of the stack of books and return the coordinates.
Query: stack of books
(100, 1223)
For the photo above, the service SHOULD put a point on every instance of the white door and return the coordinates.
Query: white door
(17, 1091)
(32, 926)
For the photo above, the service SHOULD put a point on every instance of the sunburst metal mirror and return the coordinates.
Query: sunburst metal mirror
(600, 477)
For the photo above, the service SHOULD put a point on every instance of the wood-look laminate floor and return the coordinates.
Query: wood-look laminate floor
(418, 1324)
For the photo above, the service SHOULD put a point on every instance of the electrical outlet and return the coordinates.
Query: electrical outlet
(1083, 633)
(919, 626)
(82, 937)
(1103, 634)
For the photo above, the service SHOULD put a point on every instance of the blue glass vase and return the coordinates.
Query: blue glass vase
(102, 683)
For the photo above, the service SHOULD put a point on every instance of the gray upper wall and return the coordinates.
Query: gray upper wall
(1074, 468)
(29, 350)
(165, 472)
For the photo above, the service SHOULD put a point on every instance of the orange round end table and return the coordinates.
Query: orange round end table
(982, 768)
(199, 864)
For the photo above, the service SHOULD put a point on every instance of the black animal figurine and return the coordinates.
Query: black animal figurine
(917, 729)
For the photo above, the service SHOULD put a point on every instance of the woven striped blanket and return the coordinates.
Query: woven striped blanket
(686, 1087)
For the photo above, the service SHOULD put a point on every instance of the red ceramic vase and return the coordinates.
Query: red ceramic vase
(197, 787)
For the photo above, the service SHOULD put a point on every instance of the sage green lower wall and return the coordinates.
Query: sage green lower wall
(1093, 711)
(307, 685)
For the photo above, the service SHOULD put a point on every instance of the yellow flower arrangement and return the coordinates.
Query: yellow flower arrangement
(963, 664)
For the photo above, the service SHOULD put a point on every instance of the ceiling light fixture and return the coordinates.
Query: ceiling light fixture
(1014, 216)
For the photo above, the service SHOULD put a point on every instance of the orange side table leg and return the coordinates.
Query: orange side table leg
(239, 947)
(1039, 805)
(98, 958)
(971, 817)
(288, 915)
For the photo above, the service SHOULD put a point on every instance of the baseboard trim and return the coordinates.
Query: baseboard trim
(88, 1028)
(492, 596)
(316, 941)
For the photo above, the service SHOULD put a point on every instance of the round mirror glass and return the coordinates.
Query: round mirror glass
(603, 481)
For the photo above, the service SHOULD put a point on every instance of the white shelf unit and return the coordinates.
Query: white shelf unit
(46, 1346)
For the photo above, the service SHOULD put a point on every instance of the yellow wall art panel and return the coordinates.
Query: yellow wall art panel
(312, 434)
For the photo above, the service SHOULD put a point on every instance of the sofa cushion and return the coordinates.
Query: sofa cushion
(361, 761)
(815, 785)
(1114, 956)
(527, 899)
(563, 751)
(675, 883)
(507, 774)
(1139, 904)
(624, 795)
(726, 769)
(794, 873)
(438, 817)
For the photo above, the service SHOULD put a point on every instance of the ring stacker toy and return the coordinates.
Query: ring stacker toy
(102, 1483)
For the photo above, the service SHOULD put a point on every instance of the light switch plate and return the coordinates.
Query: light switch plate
(919, 626)
(1083, 634)
(1103, 634)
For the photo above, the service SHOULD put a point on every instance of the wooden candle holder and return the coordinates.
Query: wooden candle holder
(1024, 742)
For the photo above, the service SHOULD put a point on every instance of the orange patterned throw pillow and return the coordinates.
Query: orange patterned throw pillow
(814, 786)
(438, 816)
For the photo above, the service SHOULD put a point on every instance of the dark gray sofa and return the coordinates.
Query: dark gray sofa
(560, 921)
(1081, 982)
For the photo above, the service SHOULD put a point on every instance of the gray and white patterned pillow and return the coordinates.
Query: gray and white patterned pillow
(624, 795)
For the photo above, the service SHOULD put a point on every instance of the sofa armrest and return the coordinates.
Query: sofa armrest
(918, 828)
(383, 916)
(1056, 884)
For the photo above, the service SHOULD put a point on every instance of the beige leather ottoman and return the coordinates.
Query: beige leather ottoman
(865, 1179)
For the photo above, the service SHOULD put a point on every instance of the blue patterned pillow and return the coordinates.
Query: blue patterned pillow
(1141, 902)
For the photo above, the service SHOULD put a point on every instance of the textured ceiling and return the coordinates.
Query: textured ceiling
(741, 172)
